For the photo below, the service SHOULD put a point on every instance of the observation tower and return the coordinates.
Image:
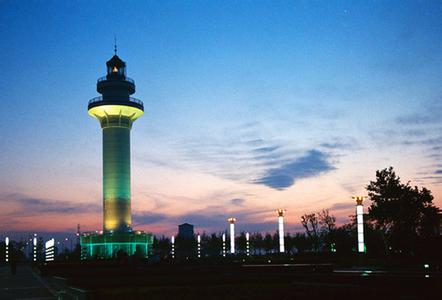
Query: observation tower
(116, 111)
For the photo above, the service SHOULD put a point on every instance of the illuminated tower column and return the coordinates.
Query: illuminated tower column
(360, 222)
(224, 245)
(199, 245)
(7, 249)
(281, 229)
(34, 241)
(173, 246)
(232, 234)
(247, 244)
(116, 111)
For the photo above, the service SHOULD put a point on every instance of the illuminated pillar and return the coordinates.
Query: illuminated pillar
(7, 249)
(35, 246)
(281, 229)
(173, 246)
(224, 245)
(49, 250)
(247, 244)
(360, 222)
(199, 245)
(232, 234)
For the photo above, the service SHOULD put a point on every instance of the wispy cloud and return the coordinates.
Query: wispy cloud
(341, 206)
(31, 206)
(146, 218)
(312, 164)
(238, 201)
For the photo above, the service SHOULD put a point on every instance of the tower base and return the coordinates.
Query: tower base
(98, 245)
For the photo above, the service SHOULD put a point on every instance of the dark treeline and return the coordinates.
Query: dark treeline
(400, 220)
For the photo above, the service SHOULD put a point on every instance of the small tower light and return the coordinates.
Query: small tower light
(232, 234)
(7, 249)
(224, 245)
(199, 245)
(360, 222)
(281, 229)
(35, 246)
(247, 244)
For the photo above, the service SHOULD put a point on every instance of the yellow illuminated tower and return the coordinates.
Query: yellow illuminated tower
(116, 112)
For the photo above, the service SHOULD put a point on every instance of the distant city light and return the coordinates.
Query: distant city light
(281, 229)
(49, 250)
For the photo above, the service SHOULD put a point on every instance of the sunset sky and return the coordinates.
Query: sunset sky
(250, 106)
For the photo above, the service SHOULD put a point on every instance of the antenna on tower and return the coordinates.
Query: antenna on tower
(115, 44)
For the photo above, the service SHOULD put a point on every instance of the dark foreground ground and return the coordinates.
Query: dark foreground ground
(264, 280)
(240, 281)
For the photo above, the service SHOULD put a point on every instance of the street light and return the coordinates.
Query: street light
(199, 245)
(224, 245)
(248, 244)
(360, 222)
(7, 249)
(281, 229)
(35, 246)
(232, 234)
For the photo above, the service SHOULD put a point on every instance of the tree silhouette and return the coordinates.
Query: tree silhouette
(403, 214)
(311, 225)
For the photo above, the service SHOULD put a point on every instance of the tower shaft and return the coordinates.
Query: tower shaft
(116, 175)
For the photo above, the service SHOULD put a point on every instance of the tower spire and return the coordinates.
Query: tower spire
(115, 44)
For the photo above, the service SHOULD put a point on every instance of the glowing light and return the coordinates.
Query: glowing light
(35, 246)
(173, 246)
(103, 112)
(281, 229)
(199, 245)
(232, 234)
(247, 244)
(7, 249)
(49, 250)
(224, 244)
(360, 222)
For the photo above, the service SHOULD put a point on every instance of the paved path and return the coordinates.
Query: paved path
(25, 284)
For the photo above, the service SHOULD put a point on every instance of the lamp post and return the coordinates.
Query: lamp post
(7, 249)
(232, 234)
(281, 229)
(199, 245)
(247, 244)
(224, 244)
(173, 246)
(360, 222)
(35, 246)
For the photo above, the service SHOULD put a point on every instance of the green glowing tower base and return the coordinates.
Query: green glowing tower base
(110, 245)
(116, 111)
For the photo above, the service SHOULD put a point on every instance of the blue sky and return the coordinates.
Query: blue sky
(249, 106)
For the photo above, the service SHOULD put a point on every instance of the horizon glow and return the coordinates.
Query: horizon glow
(249, 106)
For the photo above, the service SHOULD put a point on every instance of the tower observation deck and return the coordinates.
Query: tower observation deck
(116, 111)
